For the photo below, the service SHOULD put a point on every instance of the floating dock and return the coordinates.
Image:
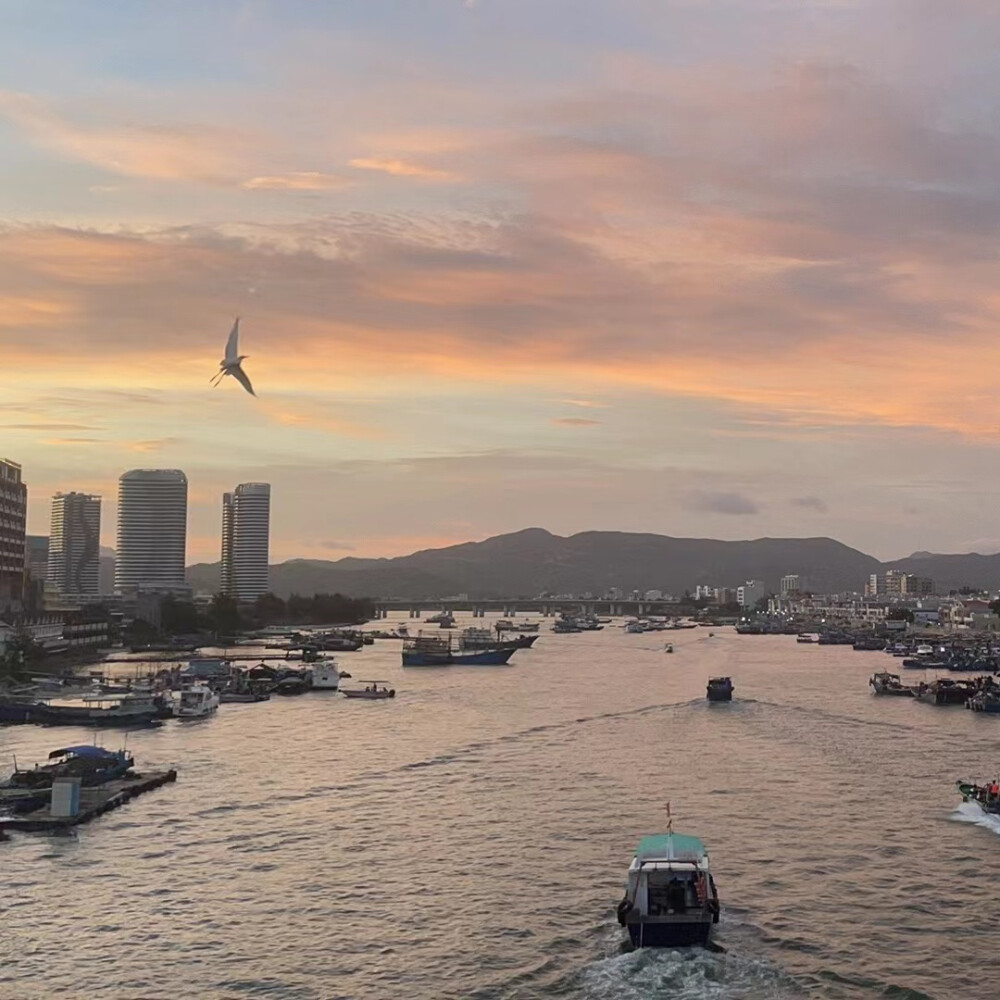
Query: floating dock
(94, 801)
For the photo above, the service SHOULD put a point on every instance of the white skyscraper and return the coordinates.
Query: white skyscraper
(246, 529)
(152, 529)
(75, 545)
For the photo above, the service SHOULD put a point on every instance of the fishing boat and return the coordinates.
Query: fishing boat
(427, 651)
(371, 691)
(242, 697)
(720, 689)
(102, 710)
(986, 796)
(884, 682)
(669, 648)
(670, 899)
(196, 702)
(805, 637)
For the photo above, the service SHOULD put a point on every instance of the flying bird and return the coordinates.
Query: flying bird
(230, 364)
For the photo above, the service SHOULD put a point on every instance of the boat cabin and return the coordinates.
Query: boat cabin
(670, 899)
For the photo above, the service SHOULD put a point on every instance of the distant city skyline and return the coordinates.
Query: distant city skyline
(707, 269)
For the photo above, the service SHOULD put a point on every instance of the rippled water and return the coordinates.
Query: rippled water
(469, 839)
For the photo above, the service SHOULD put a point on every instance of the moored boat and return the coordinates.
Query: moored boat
(720, 689)
(884, 682)
(325, 674)
(670, 898)
(93, 765)
(196, 702)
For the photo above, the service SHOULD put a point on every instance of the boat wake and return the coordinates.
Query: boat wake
(686, 974)
(969, 812)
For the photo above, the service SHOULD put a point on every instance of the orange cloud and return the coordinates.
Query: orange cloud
(302, 181)
(403, 168)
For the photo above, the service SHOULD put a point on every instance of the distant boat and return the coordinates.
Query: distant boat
(670, 898)
(325, 674)
(196, 702)
(371, 691)
(719, 689)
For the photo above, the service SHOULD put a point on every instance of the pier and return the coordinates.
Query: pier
(94, 801)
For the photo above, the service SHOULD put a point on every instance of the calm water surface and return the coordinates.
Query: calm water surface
(470, 838)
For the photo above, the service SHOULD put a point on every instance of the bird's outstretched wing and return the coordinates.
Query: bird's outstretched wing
(232, 345)
(241, 376)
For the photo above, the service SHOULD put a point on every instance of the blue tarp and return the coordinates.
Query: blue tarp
(82, 751)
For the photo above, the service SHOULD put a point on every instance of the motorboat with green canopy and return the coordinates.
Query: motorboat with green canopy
(670, 900)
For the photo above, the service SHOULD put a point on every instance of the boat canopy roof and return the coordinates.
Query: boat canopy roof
(670, 847)
(82, 751)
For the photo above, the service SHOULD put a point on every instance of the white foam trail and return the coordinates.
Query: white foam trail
(685, 974)
(969, 812)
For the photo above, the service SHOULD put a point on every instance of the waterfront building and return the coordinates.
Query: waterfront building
(792, 585)
(896, 583)
(75, 545)
(750, 593)
(13, 517)
(246, 528)
(152, 530)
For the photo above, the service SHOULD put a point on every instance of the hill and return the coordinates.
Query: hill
(529, 562)
(950, 572)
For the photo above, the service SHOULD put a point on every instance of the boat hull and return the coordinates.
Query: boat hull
(669, 935)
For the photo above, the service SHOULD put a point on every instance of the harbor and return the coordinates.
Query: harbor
(288, 810)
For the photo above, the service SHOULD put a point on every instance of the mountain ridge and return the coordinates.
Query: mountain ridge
(533, 560)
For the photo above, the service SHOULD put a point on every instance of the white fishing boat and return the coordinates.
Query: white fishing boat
(325, 674)
(196, 702)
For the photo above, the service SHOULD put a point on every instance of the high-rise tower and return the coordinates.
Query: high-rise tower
(152, 529)
(13, 517)
(246, 526)
(75, 545)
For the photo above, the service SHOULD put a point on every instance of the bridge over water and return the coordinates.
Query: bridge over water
(512, 607)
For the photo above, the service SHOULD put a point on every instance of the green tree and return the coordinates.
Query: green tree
(269, 610)
(20, 654)
(178, 617)
(224, 615)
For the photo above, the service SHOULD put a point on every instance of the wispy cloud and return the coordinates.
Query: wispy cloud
(811, 503)
(403, 168)
(301, 181)
(209, 153)
(574, 422)
(720, 503)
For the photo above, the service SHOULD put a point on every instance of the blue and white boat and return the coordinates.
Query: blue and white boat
(670, 900)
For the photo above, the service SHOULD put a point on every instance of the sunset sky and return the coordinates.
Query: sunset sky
(724, 268)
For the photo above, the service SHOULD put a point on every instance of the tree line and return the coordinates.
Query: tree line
(224, 616)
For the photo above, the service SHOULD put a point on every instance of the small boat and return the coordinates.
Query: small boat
(196, 702)
(884, 682)
(805, 637)
(987, 796)
(371, 691)
(669, 648)
(720, 689)
(670, 899)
